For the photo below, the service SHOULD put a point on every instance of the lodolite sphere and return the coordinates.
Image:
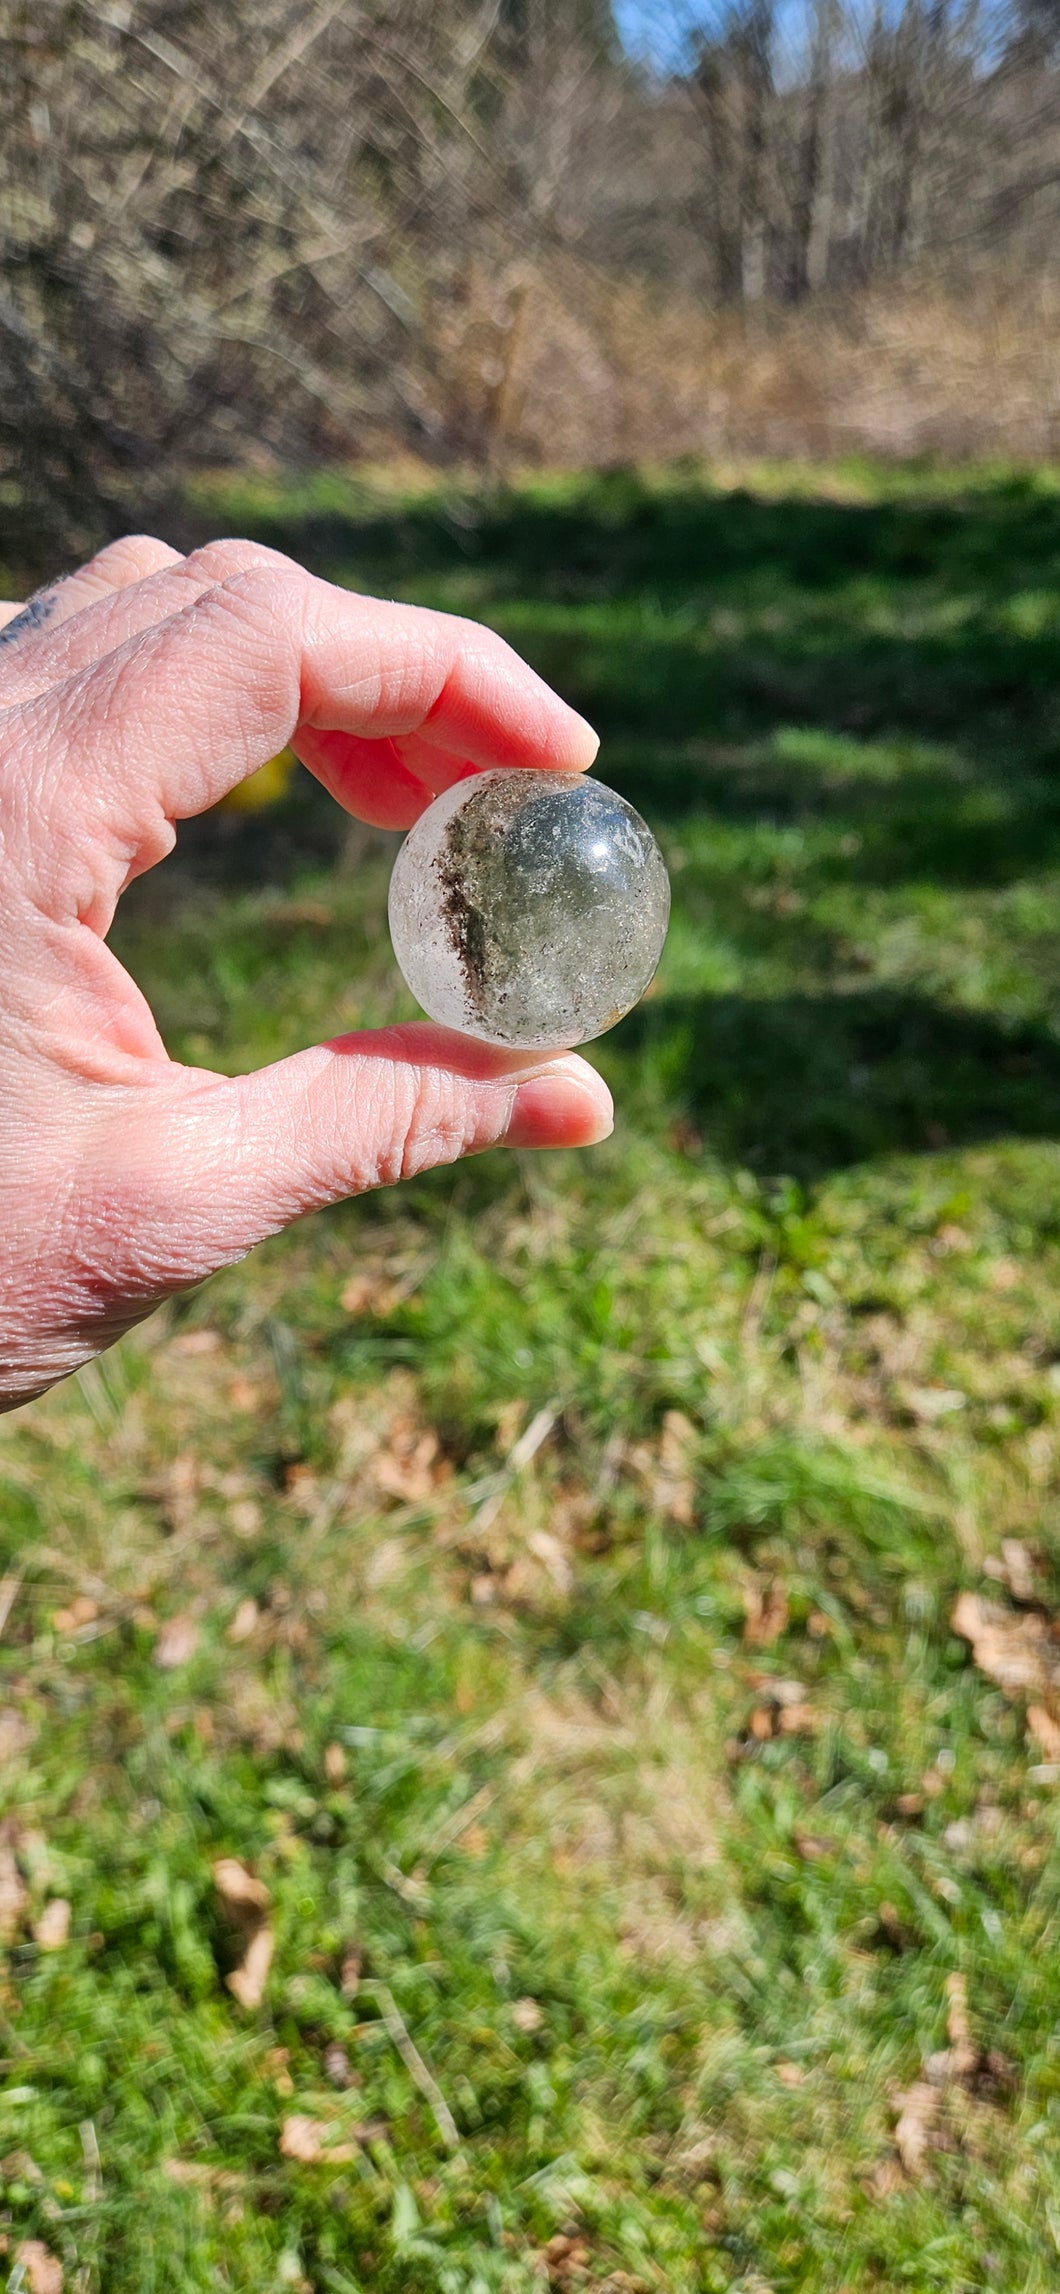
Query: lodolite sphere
(529, 908)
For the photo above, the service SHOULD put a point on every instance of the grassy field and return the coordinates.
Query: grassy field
(526, 1601)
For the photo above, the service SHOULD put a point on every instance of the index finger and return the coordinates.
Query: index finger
(175, 717)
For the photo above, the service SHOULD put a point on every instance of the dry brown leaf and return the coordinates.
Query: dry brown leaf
(12, 1894)
(1044, 1730)
(244, 1517)
(527, 2015)
(176, 1643)
(813, 1847)
(1013, 1651)
(372, 1291)
(247, 1981)
(790, 2074)
(964, 2054)
(675, 1489)
(194, 1342)
(244, 1621)
(81, 1611)
(765, 1612)
(917, 2113)
(1019, 1568)
(52, 1930)
(334, 1763)
(43, 2269)
(307, 2141)
(409, 1467)
(667, 1468)
(238, 1889)
(350, 1973)
(885, 2180)
(799, 1720)
(548, 1550)
(15, 1733)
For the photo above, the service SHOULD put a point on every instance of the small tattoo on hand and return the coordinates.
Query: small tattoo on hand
(33, 616)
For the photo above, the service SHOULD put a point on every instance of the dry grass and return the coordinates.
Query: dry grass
(560, 364)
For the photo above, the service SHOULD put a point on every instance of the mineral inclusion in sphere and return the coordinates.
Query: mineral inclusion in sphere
(529, 908)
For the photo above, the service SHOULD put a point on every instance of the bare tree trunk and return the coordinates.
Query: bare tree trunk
(812, 202)
(715, 103)
(757, 59)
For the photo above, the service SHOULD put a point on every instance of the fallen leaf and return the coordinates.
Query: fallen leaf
(247, 1981)
(334, 1763)
(1017, 1567)
(1045, 1731)
(195, 1342)
(409, 1466)
(337, 2065)
(527, 2015)
(82, 1611)
(350, 1974)
(176, 1643)
(244, 1621)
(813, 1847)
(765, 1609)
(964, 2054)
(244, 1517)
(243, 1394)
(1013, 1651)
(197, 2173)
(898, 1934)
(307, 2141)
(885, 2180)
(43, 2270)
(548, 1550)
(238, 1889)
(789, 2074)
(675, 1490)
(12, 1895)
(799, 1720)
(929, 1403)
(52, 1930)
(917, 2112)
(15, 1733)
(372, 1291)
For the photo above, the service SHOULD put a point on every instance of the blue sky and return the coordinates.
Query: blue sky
(660, 31)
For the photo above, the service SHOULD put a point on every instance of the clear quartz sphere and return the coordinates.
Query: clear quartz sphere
(529, 908)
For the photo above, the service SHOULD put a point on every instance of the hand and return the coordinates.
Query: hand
(133, 695)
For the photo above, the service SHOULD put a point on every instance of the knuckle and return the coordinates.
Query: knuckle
(220, 560)
(132, 558)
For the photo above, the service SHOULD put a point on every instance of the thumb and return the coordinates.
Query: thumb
(238, 1158)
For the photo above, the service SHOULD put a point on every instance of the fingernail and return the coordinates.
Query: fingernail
(567, 1105)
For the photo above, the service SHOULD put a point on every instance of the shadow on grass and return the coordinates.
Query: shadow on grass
(794, 607)
(806, 1084)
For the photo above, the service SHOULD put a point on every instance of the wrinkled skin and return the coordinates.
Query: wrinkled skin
(132, 696)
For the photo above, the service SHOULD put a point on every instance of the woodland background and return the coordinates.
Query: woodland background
(517, 230)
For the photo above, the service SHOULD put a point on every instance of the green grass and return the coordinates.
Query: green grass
(646, 1968)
